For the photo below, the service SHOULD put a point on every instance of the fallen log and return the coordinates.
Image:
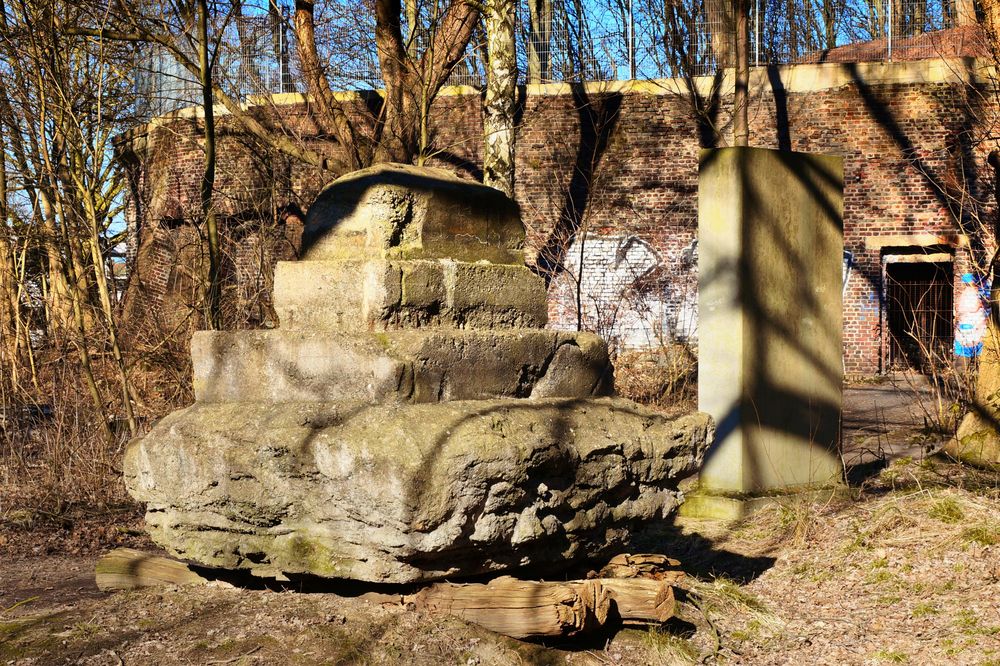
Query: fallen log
(127, 569)
(639, 594)
(640, 566)
(641, 600)
(520, 608)
(530, 609)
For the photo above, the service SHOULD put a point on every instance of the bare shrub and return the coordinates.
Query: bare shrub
(665, 377)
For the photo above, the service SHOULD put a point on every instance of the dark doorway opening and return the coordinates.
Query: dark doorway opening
(919, 302)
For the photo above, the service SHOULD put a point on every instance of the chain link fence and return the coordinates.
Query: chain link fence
(566, 40)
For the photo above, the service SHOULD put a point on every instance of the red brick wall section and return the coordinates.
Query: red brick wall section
(611, 166)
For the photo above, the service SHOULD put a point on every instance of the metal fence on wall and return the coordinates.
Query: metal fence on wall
(254, 57)
(568, 40)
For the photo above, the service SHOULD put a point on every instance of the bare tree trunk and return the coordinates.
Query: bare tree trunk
(212, 291)
(416, 35)
(501, 96)
(829, 24)
(991, 24)
(331, 115)
(965, 12)
(741, 126)
(54, 209)
(97, 257)
(721, 22)
(82, 342)
(401, 117)
(411, 86)
(540, 41)
(22, 321)
(792, 20)
(58, 302)
(9, 314)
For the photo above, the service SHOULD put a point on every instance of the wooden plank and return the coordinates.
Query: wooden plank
(506, 605)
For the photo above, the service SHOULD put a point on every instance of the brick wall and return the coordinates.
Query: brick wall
(607, 183)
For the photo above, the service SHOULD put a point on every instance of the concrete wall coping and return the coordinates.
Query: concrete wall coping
(916, 240)
(934, 258)
(791, 78)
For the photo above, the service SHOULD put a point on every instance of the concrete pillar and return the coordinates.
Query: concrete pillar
(770, 244)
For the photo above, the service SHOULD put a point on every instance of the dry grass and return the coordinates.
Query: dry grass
(904, 575)
(665, 378)
(56, 462)
(898, 575)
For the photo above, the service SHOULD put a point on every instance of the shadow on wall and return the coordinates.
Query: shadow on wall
(791, 403)
(598, 116)
(956, 187)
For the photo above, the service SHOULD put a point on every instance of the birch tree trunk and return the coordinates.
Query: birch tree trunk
(501, 92)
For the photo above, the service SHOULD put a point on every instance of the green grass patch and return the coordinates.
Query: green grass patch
(925, 609)
(947, 510)
(984, 535)
(890, 656)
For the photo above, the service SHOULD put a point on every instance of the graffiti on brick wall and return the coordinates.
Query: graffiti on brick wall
(623, 289)
(973, 315)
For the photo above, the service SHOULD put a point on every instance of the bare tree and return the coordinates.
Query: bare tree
(721, 17)
(501, 92)
(66, 102)
(539, 40)
(741, 126)
(411, 84)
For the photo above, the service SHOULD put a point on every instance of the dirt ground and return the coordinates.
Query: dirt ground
(905, 568)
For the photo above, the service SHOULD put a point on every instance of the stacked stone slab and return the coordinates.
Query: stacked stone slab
(411, 419)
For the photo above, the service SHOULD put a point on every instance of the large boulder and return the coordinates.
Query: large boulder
(411, 419)
(403, 493)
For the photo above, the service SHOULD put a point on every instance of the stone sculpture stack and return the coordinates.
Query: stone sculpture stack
(411, 419)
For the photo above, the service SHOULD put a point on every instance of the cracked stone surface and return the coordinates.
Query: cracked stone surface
(403, 493)
(411, 419)
(424, 365)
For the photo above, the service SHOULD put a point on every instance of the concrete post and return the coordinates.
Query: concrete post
(770, 242)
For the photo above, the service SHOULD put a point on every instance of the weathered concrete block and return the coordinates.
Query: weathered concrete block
(386, 295)
(281, 366)
(486, 296)
(408, 212)
(423, 286)
(329, 294)
(404, 493)
(770, 250)
(411, 419)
